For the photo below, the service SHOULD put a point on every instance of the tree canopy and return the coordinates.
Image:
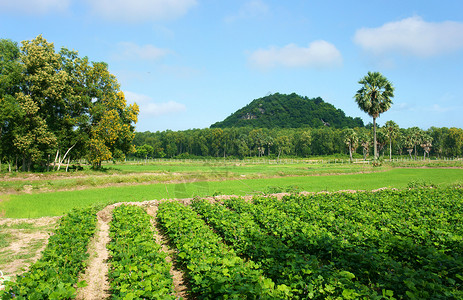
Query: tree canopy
(374, 98)
(57, 104)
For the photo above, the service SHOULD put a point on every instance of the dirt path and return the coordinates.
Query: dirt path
(178, 277)
(96, 274)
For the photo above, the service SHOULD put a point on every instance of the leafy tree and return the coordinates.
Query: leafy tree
(10, 84)
(374, 98)
(454, 142)
(57, 102)
(438, 136)
(283, 143)
(303, 142)
(392, 131)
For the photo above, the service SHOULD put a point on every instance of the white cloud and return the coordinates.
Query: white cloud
(149, 108)
(250, 9)
(34, 6)
(412, 36)
(141, 10)
(131, 51)
(318, 54)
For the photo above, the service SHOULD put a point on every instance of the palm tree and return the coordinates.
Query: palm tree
(392, 131)
(374, 98)
(351, 140)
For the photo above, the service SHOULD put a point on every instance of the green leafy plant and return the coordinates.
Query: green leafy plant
(214, 271)
(403, 244)
(138, 267)
(55, 275)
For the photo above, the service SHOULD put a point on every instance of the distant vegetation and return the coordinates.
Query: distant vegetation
(289, 111)
(301, 142)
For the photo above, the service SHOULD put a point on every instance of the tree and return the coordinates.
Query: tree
(365, 142)
(454, 142)
(392, 131)
(351, 140)
(10, 84)
(374, 98)
(413, 138)
(57, 102)
(426, 144)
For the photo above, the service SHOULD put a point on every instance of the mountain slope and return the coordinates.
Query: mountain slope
(289, 111)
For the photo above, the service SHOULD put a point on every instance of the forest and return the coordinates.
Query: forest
(243, 142)
(57, 106)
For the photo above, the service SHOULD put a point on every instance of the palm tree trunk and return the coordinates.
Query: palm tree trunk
(374, 139)
(350, 152)
(390, 149)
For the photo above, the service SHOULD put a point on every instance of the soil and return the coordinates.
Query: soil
(178, 276)
(97, 267)
(26, 245)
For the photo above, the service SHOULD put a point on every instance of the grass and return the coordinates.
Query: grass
(5, 240)
(58, 203)
(166, 172)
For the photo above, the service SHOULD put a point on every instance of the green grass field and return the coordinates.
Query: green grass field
(57, 203)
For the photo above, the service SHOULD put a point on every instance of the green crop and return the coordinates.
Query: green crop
(138, 266)
(55, 275)
(404, 243)
(214, 271)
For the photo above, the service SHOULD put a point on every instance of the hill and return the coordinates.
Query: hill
(289, 111)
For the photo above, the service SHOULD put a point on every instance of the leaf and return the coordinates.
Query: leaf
(82, 284)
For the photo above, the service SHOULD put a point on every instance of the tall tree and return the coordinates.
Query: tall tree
(53, 102)
(392, 131)
(10, 84)
(374, 98)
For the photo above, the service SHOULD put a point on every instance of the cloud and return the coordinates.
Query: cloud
(318, 54)
(250, 9)
(412, 36)
(39, 7)
(141, 10)
(149, 108)
(132, 51)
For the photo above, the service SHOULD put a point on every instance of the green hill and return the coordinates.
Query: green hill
(289, 111)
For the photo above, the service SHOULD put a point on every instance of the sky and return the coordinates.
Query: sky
(191, 63)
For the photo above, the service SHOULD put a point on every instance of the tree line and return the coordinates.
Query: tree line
(55, 106)
(241, 142)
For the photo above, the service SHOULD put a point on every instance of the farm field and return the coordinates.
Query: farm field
(38, 204)
(311, 242)
(388, 244)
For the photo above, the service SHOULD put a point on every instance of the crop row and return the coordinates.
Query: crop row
(138, 267)
(55, 274)
(379, 237)
(305, 275)
(214, 270)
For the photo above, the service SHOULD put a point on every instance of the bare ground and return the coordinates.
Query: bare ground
(96, 274)
(26, 244)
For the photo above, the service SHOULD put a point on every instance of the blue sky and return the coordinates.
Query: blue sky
(191, 63)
